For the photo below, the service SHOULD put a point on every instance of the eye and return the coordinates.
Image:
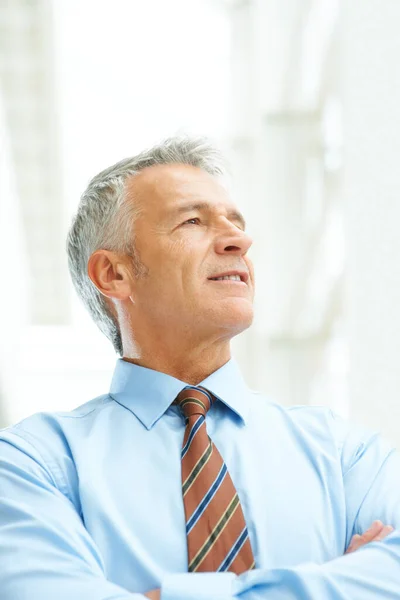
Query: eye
(189, 221)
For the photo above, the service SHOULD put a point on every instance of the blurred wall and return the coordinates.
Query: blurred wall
(303, 97)
(371, 102)
(287, 154)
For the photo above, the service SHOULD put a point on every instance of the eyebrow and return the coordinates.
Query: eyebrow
(233, 215)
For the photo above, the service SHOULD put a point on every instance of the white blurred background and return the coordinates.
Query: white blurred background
(303, 96)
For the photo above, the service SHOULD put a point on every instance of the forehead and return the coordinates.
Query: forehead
(160, 189)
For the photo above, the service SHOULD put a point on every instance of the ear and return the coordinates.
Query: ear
(110, 274)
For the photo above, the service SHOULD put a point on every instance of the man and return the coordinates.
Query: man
(181, 482)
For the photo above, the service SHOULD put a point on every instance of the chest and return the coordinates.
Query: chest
(131, 498)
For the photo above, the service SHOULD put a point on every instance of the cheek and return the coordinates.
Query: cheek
(179, 262)
(178, 246)
(165, 256)
(182, 255)
(169, 272)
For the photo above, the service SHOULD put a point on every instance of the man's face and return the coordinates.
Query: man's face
(187, 233)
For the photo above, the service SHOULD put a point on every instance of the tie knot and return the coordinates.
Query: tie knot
(194, 401)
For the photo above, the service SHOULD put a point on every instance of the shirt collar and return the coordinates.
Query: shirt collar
(148, 393)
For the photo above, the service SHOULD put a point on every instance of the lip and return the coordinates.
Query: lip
(244, 276)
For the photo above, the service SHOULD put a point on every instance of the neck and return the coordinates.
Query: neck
(190, 366)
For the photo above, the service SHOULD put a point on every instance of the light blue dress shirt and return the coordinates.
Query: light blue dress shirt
(91, 503)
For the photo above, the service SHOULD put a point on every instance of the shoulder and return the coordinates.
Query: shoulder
(300, 415)
(318, 426)
(43, 443)
(49, 425)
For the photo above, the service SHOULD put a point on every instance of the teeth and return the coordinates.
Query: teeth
(232, 277)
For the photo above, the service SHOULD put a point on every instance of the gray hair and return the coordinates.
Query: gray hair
(105, 218)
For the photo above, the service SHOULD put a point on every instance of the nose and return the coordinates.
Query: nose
(233, 241)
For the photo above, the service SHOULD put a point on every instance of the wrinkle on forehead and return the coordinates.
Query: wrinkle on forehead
(170, 182)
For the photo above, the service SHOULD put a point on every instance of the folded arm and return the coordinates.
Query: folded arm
(47, 553)
(371, 479)
(45, 550)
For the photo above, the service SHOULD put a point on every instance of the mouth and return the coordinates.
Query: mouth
(233, 277)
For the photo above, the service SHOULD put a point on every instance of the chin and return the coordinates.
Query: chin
(232, 318)
(242, 322)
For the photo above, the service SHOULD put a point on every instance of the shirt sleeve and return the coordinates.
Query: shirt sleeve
(45, 550)
(371, 481)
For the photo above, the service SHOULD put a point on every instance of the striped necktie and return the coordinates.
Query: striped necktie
(217, 537)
